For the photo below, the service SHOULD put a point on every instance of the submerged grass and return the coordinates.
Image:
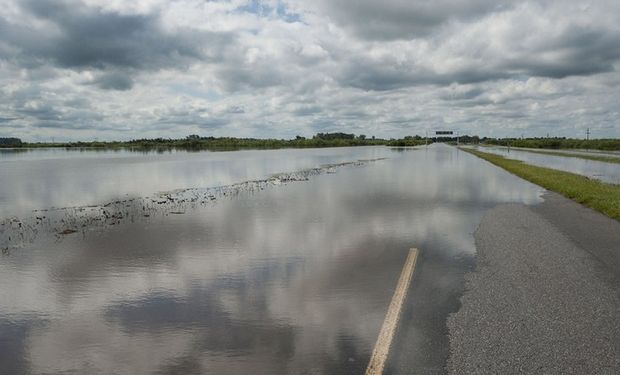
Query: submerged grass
(603, 158)
(606, 159)
(600, 196)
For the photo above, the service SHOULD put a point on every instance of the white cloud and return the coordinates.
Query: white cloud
(119, 70)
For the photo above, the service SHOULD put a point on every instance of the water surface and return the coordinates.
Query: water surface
(606, 172)
(44, 178)
(291, 279)
(577, 151)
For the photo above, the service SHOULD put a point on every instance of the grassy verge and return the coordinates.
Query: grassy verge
(597, 195)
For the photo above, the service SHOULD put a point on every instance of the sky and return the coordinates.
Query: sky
(119, 70)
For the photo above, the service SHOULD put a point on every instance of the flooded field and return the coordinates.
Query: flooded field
(606, 172)
(46, 178)
(609, 153)
(285, 274)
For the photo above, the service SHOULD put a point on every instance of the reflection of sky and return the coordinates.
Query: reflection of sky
(39, 179)
(606, 172)
(609, 153)
(294, 278)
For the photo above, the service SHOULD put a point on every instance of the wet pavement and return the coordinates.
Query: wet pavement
(544, 297)
(294, 277)
(606, 172)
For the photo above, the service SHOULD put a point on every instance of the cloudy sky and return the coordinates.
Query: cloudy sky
(115, 69)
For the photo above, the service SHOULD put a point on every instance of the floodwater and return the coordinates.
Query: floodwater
(291, 278)
(606, 172)
(44, 178)
(578, 151)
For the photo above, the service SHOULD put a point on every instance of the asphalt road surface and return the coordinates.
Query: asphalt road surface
(544, 296)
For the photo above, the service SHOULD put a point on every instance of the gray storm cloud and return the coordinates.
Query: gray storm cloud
(116, 70)
(73, 35)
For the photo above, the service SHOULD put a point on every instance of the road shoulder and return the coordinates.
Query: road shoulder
(544, 296)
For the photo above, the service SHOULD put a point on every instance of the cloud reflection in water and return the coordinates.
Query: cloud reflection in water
(292, 279)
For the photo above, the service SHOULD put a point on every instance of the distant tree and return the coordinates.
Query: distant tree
(362, 137)
(10, 142)
(332, 136)
(193, 137)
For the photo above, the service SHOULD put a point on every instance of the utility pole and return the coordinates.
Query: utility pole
(587, 134)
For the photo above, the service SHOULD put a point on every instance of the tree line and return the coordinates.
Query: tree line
(336, 139)
(196, 142)
(10, 142)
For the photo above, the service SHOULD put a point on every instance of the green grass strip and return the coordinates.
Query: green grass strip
(600, 196)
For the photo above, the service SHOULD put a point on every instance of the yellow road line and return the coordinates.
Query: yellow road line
(382, 347)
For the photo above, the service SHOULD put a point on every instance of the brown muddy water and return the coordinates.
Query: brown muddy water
(289, 274)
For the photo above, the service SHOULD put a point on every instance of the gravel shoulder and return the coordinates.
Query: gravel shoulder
(544, 297)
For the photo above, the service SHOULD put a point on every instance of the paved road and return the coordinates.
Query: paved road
(545, 295)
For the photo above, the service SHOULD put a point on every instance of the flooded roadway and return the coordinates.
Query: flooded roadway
(294, 278)
(606, 172)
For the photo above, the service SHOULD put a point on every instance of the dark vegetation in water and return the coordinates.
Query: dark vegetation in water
(556, 143)
(66, 221)
(196, 142)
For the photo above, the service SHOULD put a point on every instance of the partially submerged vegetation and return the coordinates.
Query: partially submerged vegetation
(64, 221)
(556, 143)
(195, 142)
(603, 158)
(597, 195)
